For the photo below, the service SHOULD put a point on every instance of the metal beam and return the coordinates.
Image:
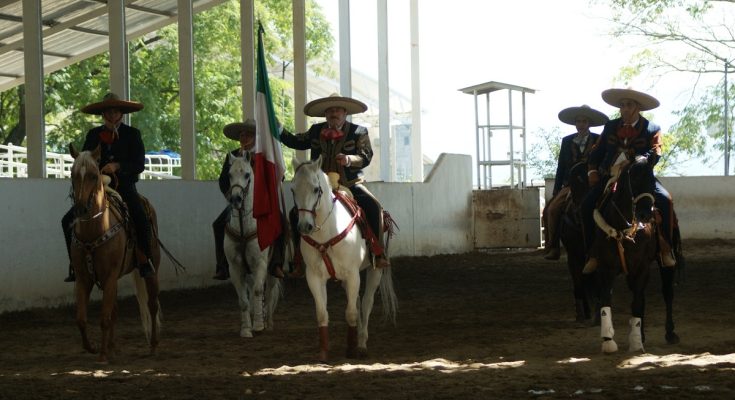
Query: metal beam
(299, 71)
(247, 57)
(186, 92)
(386, 150)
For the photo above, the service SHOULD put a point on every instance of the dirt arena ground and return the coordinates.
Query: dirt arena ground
(479, 326)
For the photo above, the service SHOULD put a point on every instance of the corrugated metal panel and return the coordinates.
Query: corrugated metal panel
(65, 23)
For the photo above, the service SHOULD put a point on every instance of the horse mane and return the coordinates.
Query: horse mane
(84, 160)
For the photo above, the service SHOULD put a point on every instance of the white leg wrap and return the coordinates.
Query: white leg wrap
(606, 326)
(635, 339)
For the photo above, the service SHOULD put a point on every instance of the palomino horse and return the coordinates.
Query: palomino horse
(572, 237)
(248, 263)
(626, 218)
(333, 247)
(102, 251)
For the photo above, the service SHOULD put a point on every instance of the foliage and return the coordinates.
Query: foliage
(543, 155)
(154, 81)
(689, 37)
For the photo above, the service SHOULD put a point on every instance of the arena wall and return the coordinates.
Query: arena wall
(434, 217)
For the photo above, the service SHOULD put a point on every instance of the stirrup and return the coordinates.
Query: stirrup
(146, 269)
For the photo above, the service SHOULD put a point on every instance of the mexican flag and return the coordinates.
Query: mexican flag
(269, 168)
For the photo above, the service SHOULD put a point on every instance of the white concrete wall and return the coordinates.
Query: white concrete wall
(434, 217)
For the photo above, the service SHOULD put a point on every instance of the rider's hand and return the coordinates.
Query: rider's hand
(110, 168)
(343, 160)
(641, 159)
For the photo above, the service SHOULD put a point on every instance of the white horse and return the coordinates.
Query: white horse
(248, 263)
(333, 248)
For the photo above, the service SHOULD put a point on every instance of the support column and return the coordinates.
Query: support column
(299, 71)
(345, 57)
(33, 65)
(119, 72)
(417, 154)
(186, 90)
(247, 60)
(386, 153)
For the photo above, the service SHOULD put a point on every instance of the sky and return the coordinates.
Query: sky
(561, 49)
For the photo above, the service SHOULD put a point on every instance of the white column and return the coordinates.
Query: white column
(119, 74)
(345, 57)
(417, 154)
(186, 89)
(299, 71)
(386, 155)
(33, 65)
(247, 46)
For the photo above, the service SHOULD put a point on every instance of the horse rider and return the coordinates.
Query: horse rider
(345, 149)
(634, 137)
(574, 149)
(244, 132)
(122, 157)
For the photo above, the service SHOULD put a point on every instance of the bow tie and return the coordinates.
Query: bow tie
(627, 131)
(108, 137)
(331, 134)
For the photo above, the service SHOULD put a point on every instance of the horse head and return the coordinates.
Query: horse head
(86, 180)
(308, 187)
(241, 177)
(632, 195)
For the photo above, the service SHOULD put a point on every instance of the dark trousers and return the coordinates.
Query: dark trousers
(137, 214)
(662, 201)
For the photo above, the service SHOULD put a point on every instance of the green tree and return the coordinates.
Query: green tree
(154, 82)
(690, 37)
(543, 155)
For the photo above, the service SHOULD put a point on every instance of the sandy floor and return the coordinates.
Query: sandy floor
(481, 325)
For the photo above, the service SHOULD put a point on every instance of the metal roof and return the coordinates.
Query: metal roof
(77, 29)
(492, 86)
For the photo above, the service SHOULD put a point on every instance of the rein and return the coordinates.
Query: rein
(89, 247)
(322, 248)
(627, 234)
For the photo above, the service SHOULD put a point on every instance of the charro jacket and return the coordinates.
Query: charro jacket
(646, 142)
(355, 143)
(569, 155)
(127, 150)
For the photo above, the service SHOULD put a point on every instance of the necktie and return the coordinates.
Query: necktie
(331, 134)
(627, 131)
(107, 136)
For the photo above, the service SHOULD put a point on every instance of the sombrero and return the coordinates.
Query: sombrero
(569, 115)
(317, 108)
(233, 130)
(111, 100)
(614, 96)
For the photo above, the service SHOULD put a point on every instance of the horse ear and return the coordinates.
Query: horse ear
(230, 158)
(248, 156)
(73, 151)
(317, 163)
(97, 153)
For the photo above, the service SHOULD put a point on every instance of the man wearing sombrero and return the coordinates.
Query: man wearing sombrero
(244, 132)
(122, 156)
(638, 137)
(574, 149)
(345, 149)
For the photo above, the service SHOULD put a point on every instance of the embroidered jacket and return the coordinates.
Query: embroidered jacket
(645, 142)
(354, 143)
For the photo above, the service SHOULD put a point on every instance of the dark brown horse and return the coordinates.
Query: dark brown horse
(626, 243)
(572, 237)
(102, 252)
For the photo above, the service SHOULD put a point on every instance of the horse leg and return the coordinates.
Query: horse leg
(318, 290)
(667, 288)
(607, 332)
(109, 297)
(372, 282)
(272, 293)
(151, 286)
(637, 284)
(239, 280)
(352, 289)
(83, 288)
(258, 288)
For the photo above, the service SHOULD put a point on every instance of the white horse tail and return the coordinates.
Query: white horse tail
(388, 296)
(145, 316)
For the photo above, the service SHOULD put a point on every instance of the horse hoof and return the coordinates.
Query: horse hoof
(102, 361)
(323, 358)
(362, 353)
(246, 333)
(609, 346)
(672, 338)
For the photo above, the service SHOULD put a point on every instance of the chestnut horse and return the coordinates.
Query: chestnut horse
(103, 251)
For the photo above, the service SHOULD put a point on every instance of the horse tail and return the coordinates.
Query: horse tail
(388, 296)
(145, 316)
